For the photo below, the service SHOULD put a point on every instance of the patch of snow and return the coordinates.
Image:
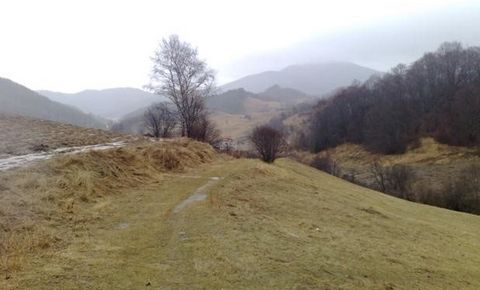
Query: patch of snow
(24, 160)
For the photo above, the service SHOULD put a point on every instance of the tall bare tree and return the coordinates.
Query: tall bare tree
(179, 74)
(160, 120)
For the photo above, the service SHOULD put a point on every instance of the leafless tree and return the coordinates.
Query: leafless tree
(179, 74)
(268, 142)
(395, 180)
(204, 130)
(399, 181)
(437, 96)
(160, 120)
(464, 193)
(379, 175)
(326, 163)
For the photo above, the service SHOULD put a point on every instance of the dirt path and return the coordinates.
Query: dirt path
(24, 160)
(139, 239)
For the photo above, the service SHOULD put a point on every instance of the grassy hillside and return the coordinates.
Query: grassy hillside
(237, 112)
(434, 164)
(282, 226)
(286, 96)
(17, 99)
(240, 101)
(232, 102)
(22, 135)
(238, 126)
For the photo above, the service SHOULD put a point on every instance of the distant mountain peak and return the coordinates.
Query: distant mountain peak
(275, 87)
(310, 78)
(111, 103)
(19, 100)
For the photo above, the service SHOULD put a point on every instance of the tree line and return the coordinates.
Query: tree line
(437, 95)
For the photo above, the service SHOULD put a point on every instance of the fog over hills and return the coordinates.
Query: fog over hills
(17, 99)
(378, 44)
(314, 78)
(111, 103)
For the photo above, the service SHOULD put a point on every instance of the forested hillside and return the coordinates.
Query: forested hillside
(437, 96)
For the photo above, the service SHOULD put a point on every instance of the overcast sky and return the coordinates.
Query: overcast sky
(71, 45)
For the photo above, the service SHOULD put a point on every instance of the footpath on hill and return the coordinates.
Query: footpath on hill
(135, 240)
(243, 224)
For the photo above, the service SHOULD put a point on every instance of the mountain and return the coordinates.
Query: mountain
(109, 103)
(241, 101)
(286, 96)
(232, 102)
(314, 79)
(17, 99)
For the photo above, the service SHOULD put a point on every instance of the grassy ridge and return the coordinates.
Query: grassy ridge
(291, 227)
(282, 226)
(20, 135)
(45, 207)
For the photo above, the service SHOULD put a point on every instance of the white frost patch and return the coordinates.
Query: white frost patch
(24, 160)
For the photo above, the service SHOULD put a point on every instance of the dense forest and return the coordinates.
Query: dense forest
(437, 95)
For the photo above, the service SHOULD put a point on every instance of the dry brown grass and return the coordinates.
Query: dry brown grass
(280, 226)
(435, 165)
(21, 135)
(46, 205)
(238, 126)
(262, 226)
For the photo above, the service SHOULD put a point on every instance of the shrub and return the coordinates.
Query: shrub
(327, 164)
(395, 180)
(464, 193)
(268, 142)
(399, 179)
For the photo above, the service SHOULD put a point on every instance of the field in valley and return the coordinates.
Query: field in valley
(239, 126)
(111, 219)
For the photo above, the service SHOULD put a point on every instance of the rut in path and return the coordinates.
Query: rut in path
(199, 195)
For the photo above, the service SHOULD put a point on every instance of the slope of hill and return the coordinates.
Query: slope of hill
(23, 135)
(240, 101)
(232, 102)
(238, 127)
(109, 103)
(235, 112)
(286, 96)
(313, 79)
(123, 219)
(17, 99)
